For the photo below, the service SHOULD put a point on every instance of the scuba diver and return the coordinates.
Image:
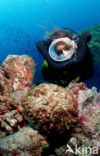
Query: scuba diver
(67, 57)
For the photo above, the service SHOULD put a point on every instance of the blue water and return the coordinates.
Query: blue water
(24, 22)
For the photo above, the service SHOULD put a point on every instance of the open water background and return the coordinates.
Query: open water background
(24, 22)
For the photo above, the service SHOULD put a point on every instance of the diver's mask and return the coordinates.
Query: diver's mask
(57, 53)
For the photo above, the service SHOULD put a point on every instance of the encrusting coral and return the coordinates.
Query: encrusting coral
(19, 74)
(82, 94)
(10, 122)
(16, 75)
(16, 78)
(87, 132)
(51, 107)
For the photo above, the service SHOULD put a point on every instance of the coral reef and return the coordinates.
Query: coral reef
(10, 122)
(72, 114)
(26, 142)
(16, 78)
(90, 122)
(51, 107)
(86, 134)
(94, 44)
(82, 94)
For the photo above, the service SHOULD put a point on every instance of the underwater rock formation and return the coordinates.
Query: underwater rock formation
(10, 122)
(26, 142)
(51, 107)
(16, 75)
(87, 132)
(82, 94)
(19, 71)
(16, 78)
(90, 120)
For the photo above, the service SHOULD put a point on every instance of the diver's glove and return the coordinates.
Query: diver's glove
(81, 51)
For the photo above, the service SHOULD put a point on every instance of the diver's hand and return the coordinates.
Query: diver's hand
(41, 46)
(82, 49)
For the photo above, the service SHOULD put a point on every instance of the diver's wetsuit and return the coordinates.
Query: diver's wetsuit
(80, 64)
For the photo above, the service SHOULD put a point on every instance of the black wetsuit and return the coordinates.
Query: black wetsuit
(79, 65)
